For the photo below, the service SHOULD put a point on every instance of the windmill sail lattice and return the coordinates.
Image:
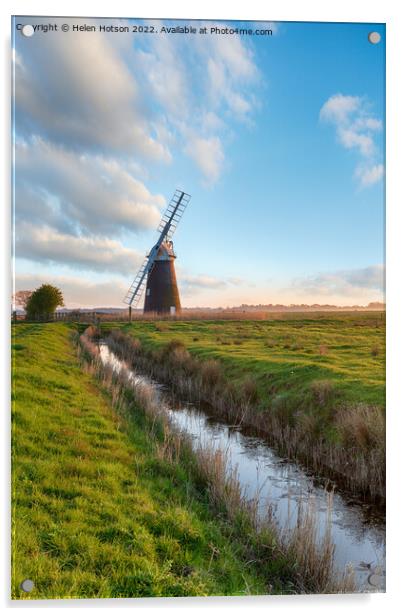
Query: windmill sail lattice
(166, 229)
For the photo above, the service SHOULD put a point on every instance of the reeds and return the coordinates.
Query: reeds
(310, 562)
(322, 390)
(314, 556)
(362, 426)
(356, 462)
(223, 314)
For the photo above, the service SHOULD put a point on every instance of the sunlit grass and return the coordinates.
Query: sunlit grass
(96, 512)
(314, 383)
(347, 349)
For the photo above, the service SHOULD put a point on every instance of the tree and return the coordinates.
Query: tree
(44, 301)
(21, 298)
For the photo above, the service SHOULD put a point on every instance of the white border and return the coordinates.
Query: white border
(388, 11)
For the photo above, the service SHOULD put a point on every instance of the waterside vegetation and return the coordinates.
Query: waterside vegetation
(314, 386)
(109, 502)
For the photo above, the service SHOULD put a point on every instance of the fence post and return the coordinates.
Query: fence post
(129, 314)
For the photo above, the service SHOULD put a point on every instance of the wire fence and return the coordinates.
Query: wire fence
(93, 316)
(80, 316)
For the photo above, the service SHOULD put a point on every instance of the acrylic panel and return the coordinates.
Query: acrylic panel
(198, 334)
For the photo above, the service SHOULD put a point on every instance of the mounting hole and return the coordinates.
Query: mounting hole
(27, 30)
(374, 37)
(27, 585)
(374, 579)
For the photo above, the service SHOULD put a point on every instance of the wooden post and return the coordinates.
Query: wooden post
(129, 313)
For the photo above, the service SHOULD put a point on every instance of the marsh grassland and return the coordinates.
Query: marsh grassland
(101, 507)
(290, 352)
(107, 501)
(314, 383)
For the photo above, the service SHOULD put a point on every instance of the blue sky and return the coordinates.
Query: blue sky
(278, 139)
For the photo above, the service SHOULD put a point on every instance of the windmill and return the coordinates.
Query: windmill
(157, 274)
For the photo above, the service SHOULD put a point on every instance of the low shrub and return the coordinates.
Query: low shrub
(322, 391)
(180, 356)
(211, 373)
(162, 326)
(375, 350)
(309, 425)
(249, 390)
(362, 426)
(136, 345)
(283, 409)
(172, 347)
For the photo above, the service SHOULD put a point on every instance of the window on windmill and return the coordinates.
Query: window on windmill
(148, 292)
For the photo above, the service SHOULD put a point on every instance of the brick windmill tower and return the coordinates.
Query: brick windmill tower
(157, 274)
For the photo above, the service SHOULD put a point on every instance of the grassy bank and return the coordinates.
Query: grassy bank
(315, 385)
(97, 510)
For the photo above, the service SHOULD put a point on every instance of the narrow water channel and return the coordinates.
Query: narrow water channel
(280, 485)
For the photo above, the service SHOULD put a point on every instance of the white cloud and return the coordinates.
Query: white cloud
(355, 130)
(373, 124)
(164, 74)
(338, 108)
(208, 154)
(91, 92)
(350, 138)
(77, 90)
(91, 193)
(212, 288)
(211, 122)
(78, 292)
(96, 114)
(235, 56)
(349, 283)
(231, 75)
(198, 88)
(370, 175)
(201, 281)
(45, 245)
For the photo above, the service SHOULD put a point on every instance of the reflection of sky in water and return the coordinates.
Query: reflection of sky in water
(281, 485)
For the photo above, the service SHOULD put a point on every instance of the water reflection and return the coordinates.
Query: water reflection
(280, 485)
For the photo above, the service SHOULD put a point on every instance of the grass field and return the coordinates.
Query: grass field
(313, 380)
(95, 511)
(288, 354)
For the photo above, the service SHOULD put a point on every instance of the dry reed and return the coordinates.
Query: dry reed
(310, 560)
(359, 469)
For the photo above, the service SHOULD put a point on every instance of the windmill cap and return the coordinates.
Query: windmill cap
(166, 251)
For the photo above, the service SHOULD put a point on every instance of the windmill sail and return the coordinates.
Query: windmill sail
(166, 229)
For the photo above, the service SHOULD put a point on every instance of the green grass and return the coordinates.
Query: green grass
(287, 354)
(96, 512)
